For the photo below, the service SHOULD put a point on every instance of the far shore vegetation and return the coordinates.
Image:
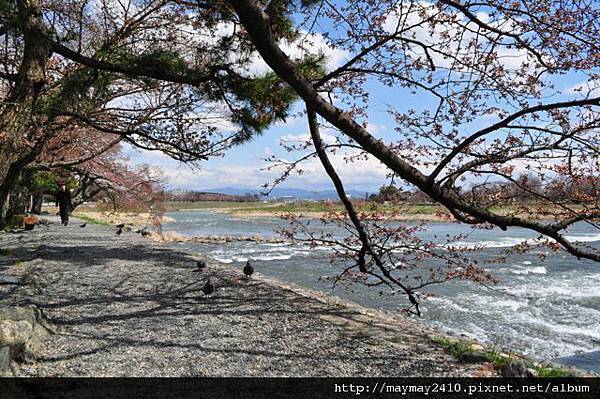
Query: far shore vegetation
(389, 202)
(399, 211)
(392, 201)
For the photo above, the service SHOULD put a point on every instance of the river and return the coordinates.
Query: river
(552, 309)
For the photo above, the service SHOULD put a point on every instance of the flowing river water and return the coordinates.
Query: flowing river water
(552, 309)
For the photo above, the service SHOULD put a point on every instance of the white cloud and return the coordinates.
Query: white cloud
(368, 173)
(374, 128)
(436, 39)
(304, 137)
(215, 173)
(295, 138)
(591, 87)
(308, 44)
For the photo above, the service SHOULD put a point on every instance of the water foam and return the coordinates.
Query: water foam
(246, 258)
(517, 269)
(507, 242)
(584, 237)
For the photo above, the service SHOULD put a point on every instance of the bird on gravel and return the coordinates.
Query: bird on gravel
(83, 225)
(248, 270)
(201, 265)
(208, 288)
(120, 226)
(145, 233)
(119, 231)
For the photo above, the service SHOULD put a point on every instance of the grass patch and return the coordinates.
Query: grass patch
(457, 347)
(89, 219)
(14, 222)
(552, 372)
(293, 207)
(410, 211)
(401, 210)
(336, 305)
(322, 206)
(398, 340)
(498, 359)
(300, 207)
(454, 347)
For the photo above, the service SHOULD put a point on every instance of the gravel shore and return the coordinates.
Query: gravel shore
(129, 306)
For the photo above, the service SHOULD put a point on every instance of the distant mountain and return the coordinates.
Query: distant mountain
(279, 193)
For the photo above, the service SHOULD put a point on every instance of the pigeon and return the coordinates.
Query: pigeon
(248, 270)
(145, 233)
(201, 265)
(208, 288)
(119, 231)
(141, 231)
(120, 226)
(83, 225)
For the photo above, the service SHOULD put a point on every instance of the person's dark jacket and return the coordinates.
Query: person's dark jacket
(63, 200)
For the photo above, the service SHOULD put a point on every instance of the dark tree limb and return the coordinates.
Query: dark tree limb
(191, 77)
(362, 234)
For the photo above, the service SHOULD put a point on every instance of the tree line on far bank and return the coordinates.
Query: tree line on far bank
(525, 189)
(194, 196)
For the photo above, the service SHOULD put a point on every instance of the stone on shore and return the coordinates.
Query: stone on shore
(22, 332)
(9, 280)
(517, 369)
(473, 357)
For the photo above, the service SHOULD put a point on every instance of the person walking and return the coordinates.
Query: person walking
(63, 201)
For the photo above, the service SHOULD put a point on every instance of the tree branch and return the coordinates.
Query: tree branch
(191, 77)
(256, 23)
(504, 123)
(339, 187)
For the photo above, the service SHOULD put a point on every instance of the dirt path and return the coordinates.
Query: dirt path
(128, 306)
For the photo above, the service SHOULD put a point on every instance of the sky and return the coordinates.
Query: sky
(244, 166)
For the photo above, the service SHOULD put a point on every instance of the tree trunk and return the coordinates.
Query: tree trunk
(6, 201)
(18, 116)
(4, 198)
(38, 200)
(11, 199)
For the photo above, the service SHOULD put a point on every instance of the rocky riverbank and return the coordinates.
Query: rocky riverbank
(129, 306)
(170, 236)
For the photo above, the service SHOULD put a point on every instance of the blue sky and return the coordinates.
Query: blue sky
(243, 166)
